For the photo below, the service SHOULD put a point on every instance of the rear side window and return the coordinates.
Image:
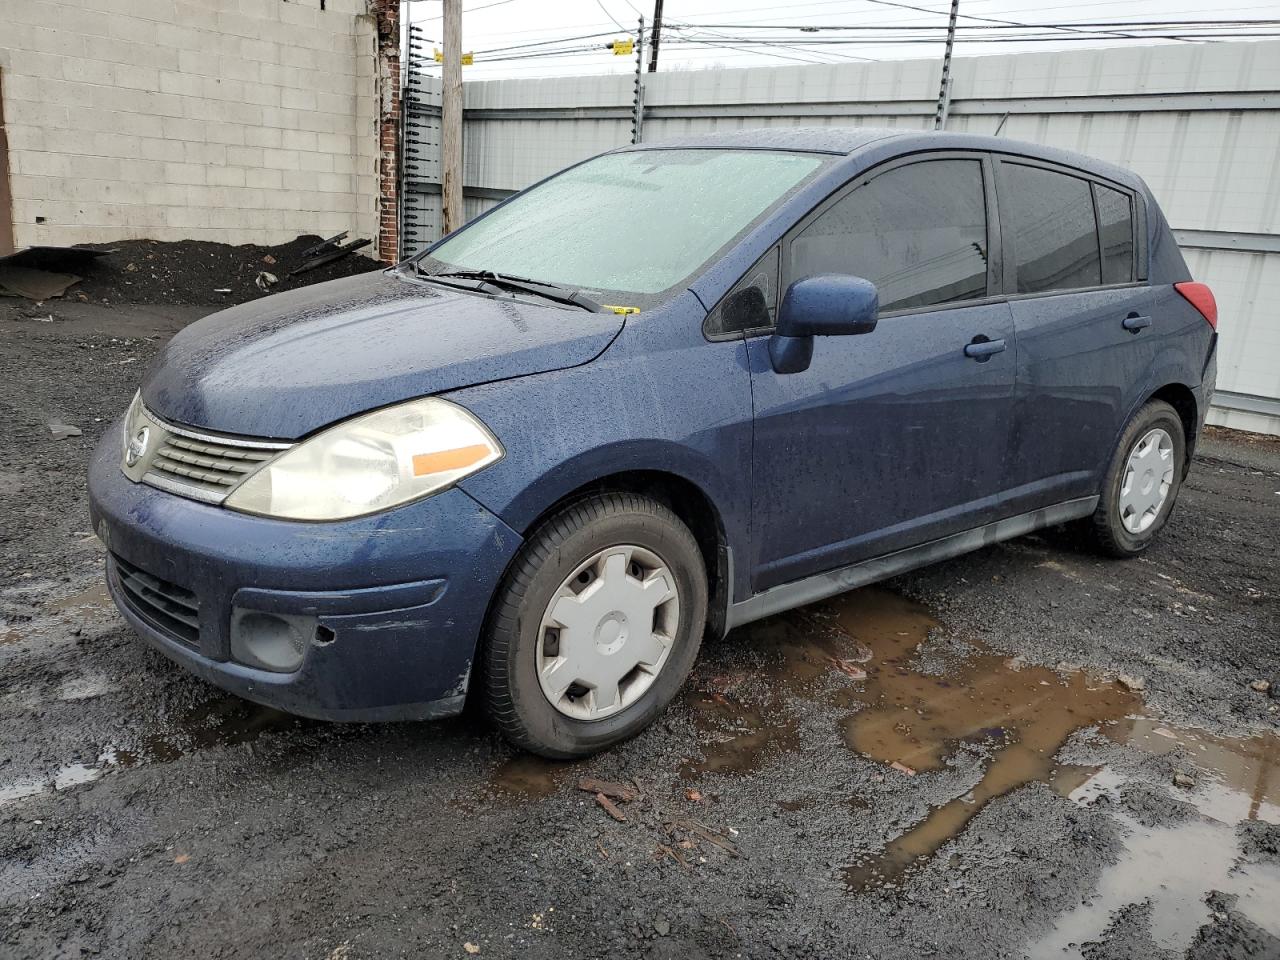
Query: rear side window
(918, 232)
(1055, 236)
(1115, 223)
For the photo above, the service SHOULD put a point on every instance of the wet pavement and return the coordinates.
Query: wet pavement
(1027, 752)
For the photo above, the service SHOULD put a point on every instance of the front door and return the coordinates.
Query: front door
(898, 436)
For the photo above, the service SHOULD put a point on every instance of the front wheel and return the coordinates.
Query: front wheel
(1142, 482)
(595, 626)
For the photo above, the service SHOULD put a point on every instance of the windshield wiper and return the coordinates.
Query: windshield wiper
(538, 288)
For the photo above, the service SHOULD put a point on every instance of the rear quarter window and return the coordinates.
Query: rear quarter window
(1115, 224)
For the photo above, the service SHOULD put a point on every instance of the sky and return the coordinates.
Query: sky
(704, 34)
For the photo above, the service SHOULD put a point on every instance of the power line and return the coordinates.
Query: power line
(997, 25)
(600, 4)
(483, 6)
(681, 29)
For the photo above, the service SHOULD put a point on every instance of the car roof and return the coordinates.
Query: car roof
(850, 141)
(837, 140)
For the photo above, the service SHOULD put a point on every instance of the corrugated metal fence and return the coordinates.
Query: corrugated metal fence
(1200, 122)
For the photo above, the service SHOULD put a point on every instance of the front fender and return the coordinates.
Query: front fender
(655, 401)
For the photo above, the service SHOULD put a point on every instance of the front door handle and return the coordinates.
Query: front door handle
(1136, 324)
(982, 349)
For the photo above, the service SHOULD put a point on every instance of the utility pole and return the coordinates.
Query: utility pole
(944, 91)
(656, 36)
(451, 119)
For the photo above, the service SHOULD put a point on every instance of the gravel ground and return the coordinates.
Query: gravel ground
(1040, 806)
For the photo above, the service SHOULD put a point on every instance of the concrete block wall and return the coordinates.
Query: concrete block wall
(230, 120)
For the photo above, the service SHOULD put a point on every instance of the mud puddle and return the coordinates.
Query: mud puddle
(90, 600)
(1174, 867)
(741, 715)
(527, 777)
(919, 706)
(220, 722)
(1023, 715)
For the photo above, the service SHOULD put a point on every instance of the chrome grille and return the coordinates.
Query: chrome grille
(202, 466)
(171, 609)
(213, 467)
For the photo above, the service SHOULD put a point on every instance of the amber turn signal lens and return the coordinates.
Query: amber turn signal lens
(442, 460)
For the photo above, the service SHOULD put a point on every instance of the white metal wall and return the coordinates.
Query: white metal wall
(1200, 122)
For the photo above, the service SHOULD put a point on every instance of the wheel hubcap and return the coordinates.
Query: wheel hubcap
(607, 632)
(1147, 480)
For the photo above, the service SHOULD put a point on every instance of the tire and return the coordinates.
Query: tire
(517, 640)
(1106, 529)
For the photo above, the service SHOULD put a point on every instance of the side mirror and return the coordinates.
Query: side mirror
(827, 305)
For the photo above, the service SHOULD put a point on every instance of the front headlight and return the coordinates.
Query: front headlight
(368, 464)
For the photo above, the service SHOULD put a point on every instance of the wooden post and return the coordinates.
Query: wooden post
(655, 37)
(451, 119)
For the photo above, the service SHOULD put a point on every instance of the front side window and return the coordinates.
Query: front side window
(633, 223)
(918, 232)
(1055, 237)
(1115, 223)
(752, 302)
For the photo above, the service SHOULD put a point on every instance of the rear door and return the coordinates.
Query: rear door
(1083, 320)
(894, 437)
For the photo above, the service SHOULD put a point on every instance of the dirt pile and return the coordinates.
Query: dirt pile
(200, 272)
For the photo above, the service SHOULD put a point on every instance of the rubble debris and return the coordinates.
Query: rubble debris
(694, 796)
(327, 251)
(61, 431)
(1133, 684)
(618, 791)
(471, 948)
(43, 272)
(700, 830)
(265, 281)
(38, 285)
(55, 259)
(610, 808)
(667, 851)
(903, 768)
(1183, 780)
(1261, 686)
(848, 667)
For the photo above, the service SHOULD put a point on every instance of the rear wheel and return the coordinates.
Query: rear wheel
(1142, 482)
(595, 626)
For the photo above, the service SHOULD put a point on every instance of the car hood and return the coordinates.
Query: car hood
(290, 363)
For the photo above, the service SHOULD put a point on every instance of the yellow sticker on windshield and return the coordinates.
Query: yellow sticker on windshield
(617, 309)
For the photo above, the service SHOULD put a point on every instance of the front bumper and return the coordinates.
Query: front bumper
(402, 595)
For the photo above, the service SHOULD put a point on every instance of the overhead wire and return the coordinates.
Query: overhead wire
(600, 4)
(678, 28)
(823, 49)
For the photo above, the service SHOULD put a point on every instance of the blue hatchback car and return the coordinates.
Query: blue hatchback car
(670, 390)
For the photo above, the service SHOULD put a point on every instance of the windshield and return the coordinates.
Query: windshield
(637, 222)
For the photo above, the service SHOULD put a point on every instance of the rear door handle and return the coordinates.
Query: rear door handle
(1136, 324)
(982, 349)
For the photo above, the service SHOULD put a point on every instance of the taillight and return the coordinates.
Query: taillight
(1200, 297)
